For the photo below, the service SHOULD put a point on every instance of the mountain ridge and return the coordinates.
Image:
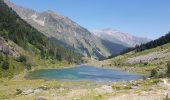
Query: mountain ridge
(64, 30)
(22, 47)
(119, 37)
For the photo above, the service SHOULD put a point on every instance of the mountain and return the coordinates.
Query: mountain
(21, 44)
(62, 30)
(152, 44)
(118, 37)
(113, 48)
(149, 58)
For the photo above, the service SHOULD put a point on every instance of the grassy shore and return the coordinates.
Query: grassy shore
(19, 88)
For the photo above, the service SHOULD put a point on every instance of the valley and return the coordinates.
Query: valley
(47, 56)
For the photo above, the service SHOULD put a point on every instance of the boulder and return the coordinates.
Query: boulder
(104, 89)
(40, 98)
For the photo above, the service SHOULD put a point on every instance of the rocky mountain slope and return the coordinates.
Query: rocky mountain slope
(120, 37)
(24, 47)
(64, 31)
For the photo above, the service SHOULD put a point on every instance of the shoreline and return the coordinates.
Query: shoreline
(103, 81)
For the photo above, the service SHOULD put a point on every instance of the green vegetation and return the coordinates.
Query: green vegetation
(12, 27)
(33, 49)
(152, 44)
(4, 64)
(137, 61)
(168, 69)
(154, 73)
(13, 89)
(22, 58)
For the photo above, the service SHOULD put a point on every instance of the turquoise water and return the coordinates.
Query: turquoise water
(83, 73)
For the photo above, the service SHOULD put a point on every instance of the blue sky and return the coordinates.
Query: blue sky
(147, 18)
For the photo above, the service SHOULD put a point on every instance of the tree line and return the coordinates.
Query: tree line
(152, 44)
(14, 28)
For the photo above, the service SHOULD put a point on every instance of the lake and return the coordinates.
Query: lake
(84, 73)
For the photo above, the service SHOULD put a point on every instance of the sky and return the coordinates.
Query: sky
(146, 18)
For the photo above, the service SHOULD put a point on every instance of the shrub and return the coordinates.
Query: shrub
(28, 66)
(162, 74)
(168, 68)
(154, 73)
(1, 58)
(22, 58)
(5, 65)
(18, 91)
(145, 64)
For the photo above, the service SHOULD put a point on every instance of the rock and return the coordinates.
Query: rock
(43, 87)
(148, 57)
(168, 93)
(134, 87)
(30, 91)
(104, 89)
(61, 89)
(38, 91)
(53, 95)
(164, 83)
(9, 48)
(40, 98)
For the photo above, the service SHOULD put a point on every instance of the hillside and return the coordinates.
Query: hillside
(21, 42)
(149, 45)
(144, 58)
(64, 31)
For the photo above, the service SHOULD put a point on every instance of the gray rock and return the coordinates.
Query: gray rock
(40, 98)
(28, 92)
(104, 89)
(38, 91)
(148, 57)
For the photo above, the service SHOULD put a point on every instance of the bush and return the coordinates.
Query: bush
(5, 65)
(18, 91)
(168, 68)
(145, 64)
(28, 66)
(22, 58)
(154, 73)
(1, 58)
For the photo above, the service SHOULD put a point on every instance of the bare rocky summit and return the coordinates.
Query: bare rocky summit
(119, 37)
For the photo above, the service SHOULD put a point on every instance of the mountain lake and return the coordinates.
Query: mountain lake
(84, 73)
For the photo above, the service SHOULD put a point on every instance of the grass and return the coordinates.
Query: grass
(141, 68)
(9, 88)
